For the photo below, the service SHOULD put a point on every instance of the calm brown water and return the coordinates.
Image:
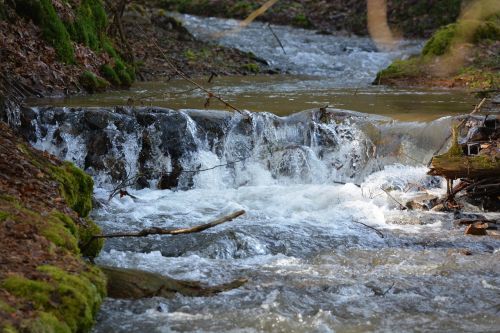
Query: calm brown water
(284, 95)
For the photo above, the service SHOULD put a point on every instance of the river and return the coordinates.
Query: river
(320, 256)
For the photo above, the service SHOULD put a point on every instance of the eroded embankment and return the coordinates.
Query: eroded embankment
(45, 284)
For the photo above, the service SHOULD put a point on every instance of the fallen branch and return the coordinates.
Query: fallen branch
(161, 231)
(276, 36)
(368, 226)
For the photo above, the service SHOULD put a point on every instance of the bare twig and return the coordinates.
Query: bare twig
(183, 75)
(275, 36)
(370, 227)
(161, 231)
(388, 289)
(401, 206)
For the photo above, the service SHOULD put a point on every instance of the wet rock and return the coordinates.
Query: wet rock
(439, 208)
(96, 119)
(170, 180)
(422, 202)
(477, 229)
(134, 284)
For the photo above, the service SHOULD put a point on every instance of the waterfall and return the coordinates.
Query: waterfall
(185, 149)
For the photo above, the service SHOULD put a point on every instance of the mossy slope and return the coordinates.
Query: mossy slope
(82, 22)
(45, 285)
(464, 53)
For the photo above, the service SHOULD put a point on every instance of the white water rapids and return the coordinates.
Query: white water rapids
(312, 248)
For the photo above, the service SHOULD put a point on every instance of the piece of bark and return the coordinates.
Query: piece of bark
(134, 284)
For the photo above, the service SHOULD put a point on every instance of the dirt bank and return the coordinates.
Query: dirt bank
(45, 284)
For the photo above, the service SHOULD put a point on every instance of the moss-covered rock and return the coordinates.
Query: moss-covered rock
(251, 67)
(93, 83)
(440, 42)
(109, 74)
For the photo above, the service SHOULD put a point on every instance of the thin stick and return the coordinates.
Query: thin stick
(160, 231)
(368, 226)
(401, 206)
(275, 36)
(185, 76)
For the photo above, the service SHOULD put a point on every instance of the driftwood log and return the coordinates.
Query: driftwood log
(134, 284)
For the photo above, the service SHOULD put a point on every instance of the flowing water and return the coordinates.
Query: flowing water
(323, 245)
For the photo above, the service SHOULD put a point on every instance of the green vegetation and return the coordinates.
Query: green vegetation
(93, 83)
(252, 67)
(301, 20)
(65, 302)
(440, 42)
(241, 9)
(63, 296)
(443, 56)
(88, 28)
(90, 24)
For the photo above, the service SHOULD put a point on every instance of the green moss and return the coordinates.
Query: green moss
(125, 78)
(93, 83)
(47, 323)
(441, 41)
(90, 24)
(8, 328)
(3, 216)
(89, 247)
(60, 230)
(252, 67)
(488, 30)
(38, 292)
(241, 9)
(65, 302)
(43, 14)
(76, 187)
(401, 68)
(4, 307)
(107, 46)
(190, 55)
(109, 74)
(301, 20)
(55, 32)
(455, 149)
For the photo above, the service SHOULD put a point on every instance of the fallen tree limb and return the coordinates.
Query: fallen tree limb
(161, 231)
(134, 284)
(370, 227)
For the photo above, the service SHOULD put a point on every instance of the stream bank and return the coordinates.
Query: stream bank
(45, 284)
